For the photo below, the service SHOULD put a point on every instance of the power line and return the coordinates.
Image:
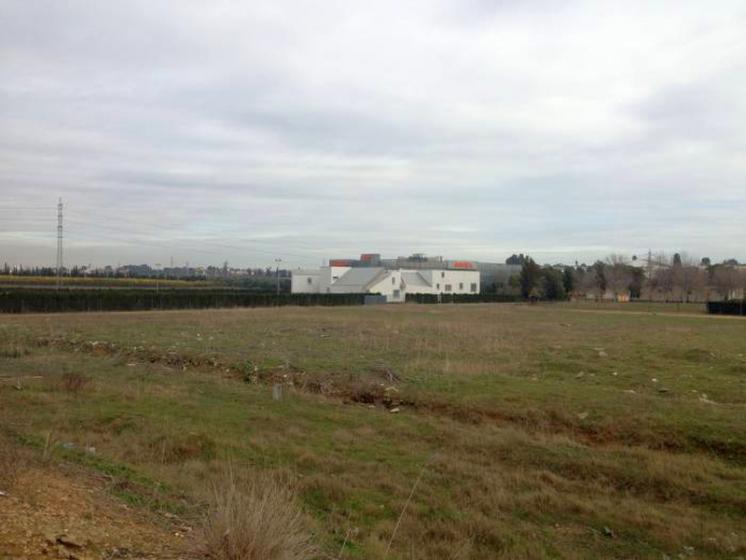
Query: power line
(59, 244)
(212, 247)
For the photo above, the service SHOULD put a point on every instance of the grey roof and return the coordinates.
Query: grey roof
(414, 278)
(360, 276)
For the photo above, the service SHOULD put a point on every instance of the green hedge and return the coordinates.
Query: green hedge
(461, 298)
(731, 307)
(38, 300)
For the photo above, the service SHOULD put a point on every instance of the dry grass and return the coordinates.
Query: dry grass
(256, 519)
(10, 464)
(13, 350)
(555, 431)
(74, 382)
(179, 448)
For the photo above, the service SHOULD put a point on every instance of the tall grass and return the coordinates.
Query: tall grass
(545, 448)
(255, 519)
(10, 464)
(12, 350)
(74, 382)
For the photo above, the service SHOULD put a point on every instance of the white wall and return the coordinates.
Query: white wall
(461, 281)
(329, 275)
(390, 286)
(458, 282)
(321, 279)
(304, 282)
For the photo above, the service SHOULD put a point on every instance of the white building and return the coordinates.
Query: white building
(395, 284)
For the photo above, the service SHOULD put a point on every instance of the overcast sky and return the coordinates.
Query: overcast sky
(206, 131)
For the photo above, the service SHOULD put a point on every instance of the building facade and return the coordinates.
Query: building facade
(344, 276)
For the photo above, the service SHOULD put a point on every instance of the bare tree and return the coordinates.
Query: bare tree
(589, 283)
(616, 259)
(688, 279)
(663, 282)
(727, 280)
(661, 260)
(619, 275)
(619, 278)
(657, 281)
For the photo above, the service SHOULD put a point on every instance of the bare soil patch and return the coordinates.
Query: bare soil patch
(50, 513)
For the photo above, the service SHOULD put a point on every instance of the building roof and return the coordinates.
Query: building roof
(413, 278)
(361, 277)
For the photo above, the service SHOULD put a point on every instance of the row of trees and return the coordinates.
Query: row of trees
(145, 271)
(684, 280)
(545, 282)
(678, 278)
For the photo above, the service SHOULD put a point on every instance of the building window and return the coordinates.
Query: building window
(309, 280)
(397, 294)
(442, 274)
(460, 286)
(448, 287)
(437, 286)
(393, 280)
(474, 287)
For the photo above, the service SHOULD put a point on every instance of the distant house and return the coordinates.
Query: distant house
(610, 295)
(623, 297)
(341, 277)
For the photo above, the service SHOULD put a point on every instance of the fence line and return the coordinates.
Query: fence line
(731, 307)
(52, 301)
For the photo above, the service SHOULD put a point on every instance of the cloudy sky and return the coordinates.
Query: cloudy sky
(206, 131)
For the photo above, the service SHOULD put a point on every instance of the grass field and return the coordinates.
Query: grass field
(545, 431)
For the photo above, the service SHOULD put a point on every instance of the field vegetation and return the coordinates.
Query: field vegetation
(410, 431)
(100, 281)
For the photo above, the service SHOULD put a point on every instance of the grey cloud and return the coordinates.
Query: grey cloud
(702, 111)
(474, 129)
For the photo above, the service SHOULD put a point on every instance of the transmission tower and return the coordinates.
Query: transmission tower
(59, 244)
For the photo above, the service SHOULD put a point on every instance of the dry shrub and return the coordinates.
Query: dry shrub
(74, 382)
(13, 350)
(10, 463)
(256, 520)
(179, 448)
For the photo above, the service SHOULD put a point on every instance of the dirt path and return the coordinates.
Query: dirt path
(54, 514)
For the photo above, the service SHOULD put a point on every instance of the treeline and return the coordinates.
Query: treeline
(43, 277)
(677, 278)
(258, 279)
(41, 300)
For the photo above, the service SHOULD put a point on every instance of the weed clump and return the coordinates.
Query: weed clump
(74, 382)
(13, 350)
(255, 520)
(181, 448)
(10, 464)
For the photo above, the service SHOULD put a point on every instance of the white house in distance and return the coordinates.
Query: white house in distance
(344, 276)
